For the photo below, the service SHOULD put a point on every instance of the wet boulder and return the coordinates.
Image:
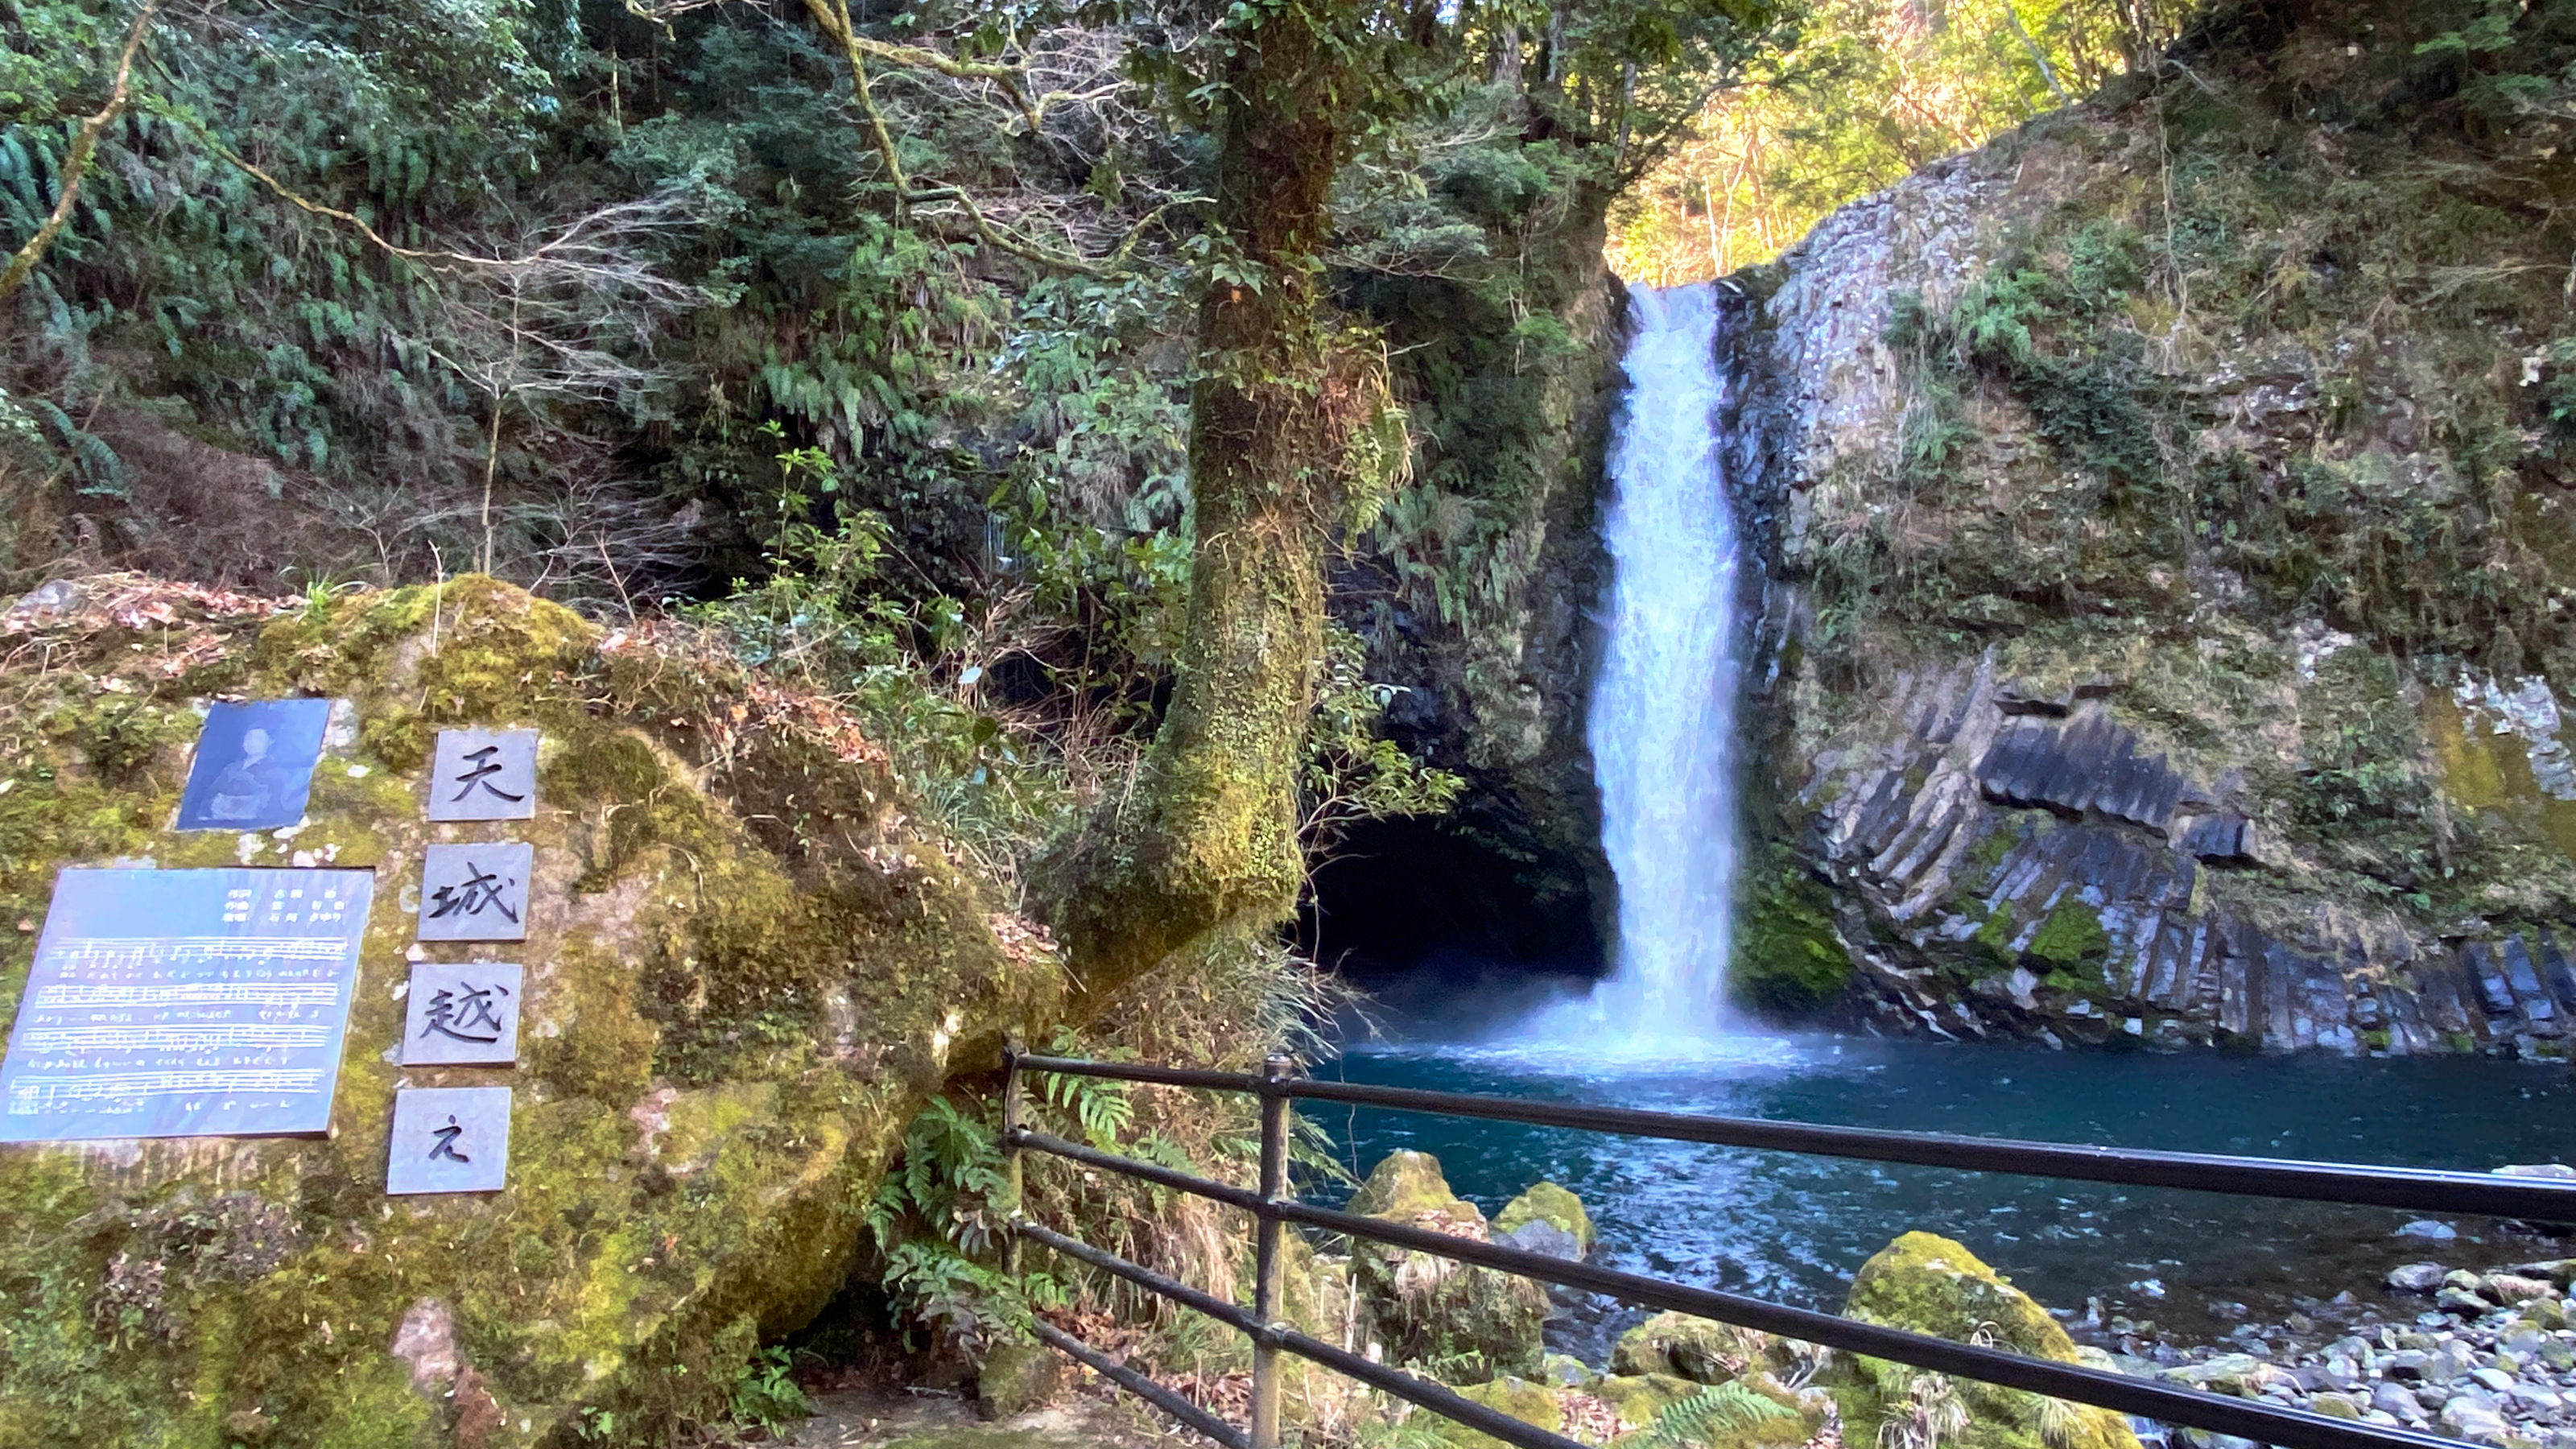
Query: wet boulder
(1470, 1324)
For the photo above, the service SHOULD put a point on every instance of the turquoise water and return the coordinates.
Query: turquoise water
(1794, 1228)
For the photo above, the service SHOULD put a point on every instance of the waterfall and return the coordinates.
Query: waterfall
(1662, 727)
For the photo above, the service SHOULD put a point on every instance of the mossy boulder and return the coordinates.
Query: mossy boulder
(744, 973)
(1462, 1324)
(1555, 1206)
(1931, 1285)
(1532, 1403)
(1698, 1349)
(1017, 1377)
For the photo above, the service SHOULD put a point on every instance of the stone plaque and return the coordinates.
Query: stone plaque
(484, 775)
(449, 1139)
(463, 1015)
(185, 1003)
(254, 765)
(476, 892)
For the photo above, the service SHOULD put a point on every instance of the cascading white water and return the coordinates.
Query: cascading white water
(1662, 727)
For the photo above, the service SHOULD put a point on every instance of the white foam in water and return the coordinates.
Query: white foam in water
(1662, 728)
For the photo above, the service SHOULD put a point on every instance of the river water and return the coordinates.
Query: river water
(1795, 1228)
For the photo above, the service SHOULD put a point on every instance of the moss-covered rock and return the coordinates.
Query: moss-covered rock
(1532, 1403)
(1931, 1285)
(1787, 959)
(1546, 1202)
(1698, 1349)
(743, 973)
(1017, 1377)
(1462, 1324)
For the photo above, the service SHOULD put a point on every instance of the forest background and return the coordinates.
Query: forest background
(646, 306)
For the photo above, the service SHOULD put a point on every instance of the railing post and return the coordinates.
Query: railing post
(1265, 1260)
(1011, 1169)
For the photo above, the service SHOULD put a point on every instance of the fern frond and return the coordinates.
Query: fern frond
(1718, 1409)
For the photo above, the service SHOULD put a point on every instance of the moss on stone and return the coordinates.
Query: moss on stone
(2071, 939)
(1931, 1285)
(722, 1041)
(1698, 1349)
(1532, 1403)
(1464, 1324)
(1547, 1202)
(1788, 959)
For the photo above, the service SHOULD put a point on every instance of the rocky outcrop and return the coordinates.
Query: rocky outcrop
(2005, 871)
(2063, 737)
(1474, 1324)
(744, 972)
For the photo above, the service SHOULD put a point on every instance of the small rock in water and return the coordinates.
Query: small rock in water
(2427, 1228)
(2417, 1277)
(2151, 1287)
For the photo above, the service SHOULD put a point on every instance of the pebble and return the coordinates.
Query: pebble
(2427, 1228)
(2417, 1277)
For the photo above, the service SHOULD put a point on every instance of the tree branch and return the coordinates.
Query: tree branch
(76, 161)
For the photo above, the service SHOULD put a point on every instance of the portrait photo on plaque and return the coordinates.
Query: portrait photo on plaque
(185, 1003)
(462, 1014)
(449, 1139)
(484, 775)
(476, 892)
(254, 765)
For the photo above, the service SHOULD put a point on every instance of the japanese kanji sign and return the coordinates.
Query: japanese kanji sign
(254, 765)
(484, 775)
(476, 892)
(185, 1003)
(463, 1015)
(449, 1139)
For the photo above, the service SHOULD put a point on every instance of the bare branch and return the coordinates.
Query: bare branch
(76, 162)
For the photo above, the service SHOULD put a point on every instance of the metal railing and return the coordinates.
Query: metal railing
(2421, 1190)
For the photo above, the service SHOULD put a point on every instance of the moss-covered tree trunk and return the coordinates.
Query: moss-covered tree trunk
(1206, 840)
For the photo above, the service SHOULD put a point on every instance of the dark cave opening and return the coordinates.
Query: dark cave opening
(1446, 934)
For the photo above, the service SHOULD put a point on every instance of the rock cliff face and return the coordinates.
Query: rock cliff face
(2166, 518)
(744, 974)
(1477, 593)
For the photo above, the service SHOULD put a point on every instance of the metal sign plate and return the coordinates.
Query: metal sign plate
(484, 775)
(462, 1014)
(185, 1003)
(449, 1139)
(476, 892)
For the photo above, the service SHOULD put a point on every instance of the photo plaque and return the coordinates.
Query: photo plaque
(484, 775)
(254, 765)
(462, 1014)
(449, 1139)
(185, 1003)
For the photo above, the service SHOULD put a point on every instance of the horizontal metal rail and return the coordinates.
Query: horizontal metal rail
(1438, 1398)
(2263, 1423)
(2414, 1189)
(1141, 1386)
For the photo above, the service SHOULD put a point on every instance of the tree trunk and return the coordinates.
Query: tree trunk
(1206, 840)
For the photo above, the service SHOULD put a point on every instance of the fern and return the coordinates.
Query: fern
(1719, 1409)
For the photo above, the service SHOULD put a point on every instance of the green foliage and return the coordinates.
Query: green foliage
(1715, 1411)
(1352, 772)
(766, 1395)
